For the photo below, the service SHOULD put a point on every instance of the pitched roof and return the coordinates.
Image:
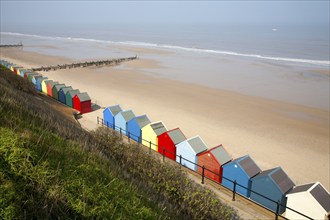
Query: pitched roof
(282, 179)
(176, 135)
(59, 86)
(52, 83)
(40, 79)
(197, 144)
(66, 89)
(158, 127)
(73, 92)
(47, 80)
(322, 196)
(142, 120)
(83, 97)
(221, 154)
(115, 109)
(248, 165)
(301, 188)
(127, 115)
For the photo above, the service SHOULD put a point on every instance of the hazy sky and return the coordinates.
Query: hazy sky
(56, 12)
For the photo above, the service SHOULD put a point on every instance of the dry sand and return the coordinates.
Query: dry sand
(274, 133)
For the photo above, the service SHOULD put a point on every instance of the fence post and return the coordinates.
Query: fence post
(277, 210)
(163, 154)
(203, 170)
(107, 124)
(97, 119)
(234, 190)
(149, 146)
(180, 161)
(102, 122)
(121, 133)
(128, 135)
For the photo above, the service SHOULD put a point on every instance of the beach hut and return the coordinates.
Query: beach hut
(121, 120)
(44, 85)
(69, 96)
(39, 83)
(82, 102)
(188, 150)
(240, 170)
(167, 142)
(14, 68)
(31, 75)
(274, 184)
(55, 90)
(135, 125)
(21, 71)
(311, 199)
(62, 94)
(213, 160)
(150, 133)
(109, 114)
(35, 80)
(50, 85)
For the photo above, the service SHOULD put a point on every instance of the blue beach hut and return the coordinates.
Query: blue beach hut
(109, 114)
(188, 149)
(242, 170)
(34, 80)
(274, 184)
(135, 125)
(62, 93)
(121, 120)
(39, 82)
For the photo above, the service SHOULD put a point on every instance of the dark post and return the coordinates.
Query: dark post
(107, 125)
(113, 126)
(203, 170)
(180, 160)
(97, 119)
(121, 133)
(128, 135)
(149, 146)
(234, 190)
(277, 209)
(163, 154)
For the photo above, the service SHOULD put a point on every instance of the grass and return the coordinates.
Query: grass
(51, 168)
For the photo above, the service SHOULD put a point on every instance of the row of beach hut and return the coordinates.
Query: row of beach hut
(266, 187)
(59, 91)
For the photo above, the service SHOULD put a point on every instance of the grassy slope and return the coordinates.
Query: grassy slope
(51, 168)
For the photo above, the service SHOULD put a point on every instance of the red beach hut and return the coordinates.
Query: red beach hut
(167, 142)
(212, 160)
(50, 85)
(82, 103)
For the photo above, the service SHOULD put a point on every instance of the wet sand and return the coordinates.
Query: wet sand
(274, 133)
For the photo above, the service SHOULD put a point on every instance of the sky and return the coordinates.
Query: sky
(16, 13)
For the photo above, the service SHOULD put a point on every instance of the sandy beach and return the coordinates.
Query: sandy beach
(275, 133)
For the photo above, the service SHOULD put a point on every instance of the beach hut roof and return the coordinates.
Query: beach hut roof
(42, 78)
(128, 115)
(142, 120)
(279, 177)
(158, 127)
(248, 165)
(197, 144)
(52, 83)
(59, 86)
(83, 97)
(319, 193)
(221, 154)
(74, 92)
(66, 89)
(176, 135)
(48, 80)
(115, 109)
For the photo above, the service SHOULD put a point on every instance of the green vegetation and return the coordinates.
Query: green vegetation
(51, 168)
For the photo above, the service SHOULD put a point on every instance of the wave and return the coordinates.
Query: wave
(173, 47)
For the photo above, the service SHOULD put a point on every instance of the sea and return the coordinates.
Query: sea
(302, 43)
(284, 62)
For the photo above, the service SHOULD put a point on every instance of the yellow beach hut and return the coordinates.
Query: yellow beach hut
(150, 133)
(44, 86)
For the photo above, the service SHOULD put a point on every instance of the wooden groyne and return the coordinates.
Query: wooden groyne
(84, 64)
(12, 45)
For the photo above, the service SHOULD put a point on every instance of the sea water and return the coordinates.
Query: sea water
(271, 61)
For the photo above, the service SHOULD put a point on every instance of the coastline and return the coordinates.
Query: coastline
(274, 133)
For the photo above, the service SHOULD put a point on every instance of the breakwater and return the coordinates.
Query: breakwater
(85, 64)
(12, 45)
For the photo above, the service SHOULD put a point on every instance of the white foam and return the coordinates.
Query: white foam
(173, 47)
